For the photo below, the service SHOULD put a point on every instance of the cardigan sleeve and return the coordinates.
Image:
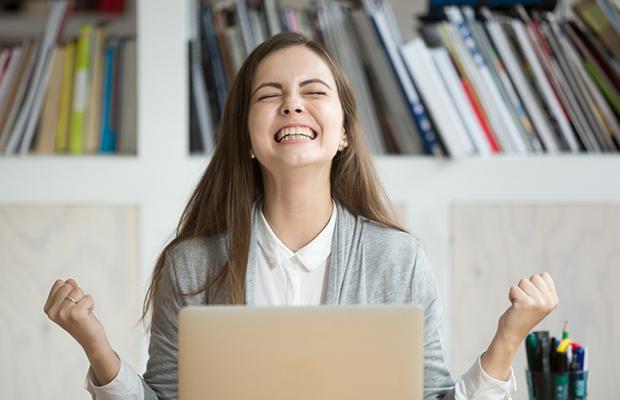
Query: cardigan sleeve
(475, 384)
(160, 380)
(438, 382)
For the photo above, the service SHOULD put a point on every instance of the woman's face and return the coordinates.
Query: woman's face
(295, 116)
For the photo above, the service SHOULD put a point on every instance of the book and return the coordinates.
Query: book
(403, 134)
(108, 129)
(440, 105)
(128, 125)
(66, 98)
(46, 134)
(389, 43)
(199, 89)
(579, 75)
(81, 84)
(562, 77)
(456, 91)
(14, 56)
(16, 94)
(596, 19)
(23, 129)
(548, 94)
(495, 4)
(497, 109)
(214, 58)
(92, 130)
(504, 48)
(504, 84)
(337, 29)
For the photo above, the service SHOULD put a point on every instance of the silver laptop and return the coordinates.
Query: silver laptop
(313, 353)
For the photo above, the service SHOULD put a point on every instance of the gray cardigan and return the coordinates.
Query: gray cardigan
(369, 264)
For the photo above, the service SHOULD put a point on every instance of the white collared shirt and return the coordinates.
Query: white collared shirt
(291, 278)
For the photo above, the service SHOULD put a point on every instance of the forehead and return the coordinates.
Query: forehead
(294, 63)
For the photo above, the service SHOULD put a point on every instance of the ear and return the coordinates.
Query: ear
(344, 141)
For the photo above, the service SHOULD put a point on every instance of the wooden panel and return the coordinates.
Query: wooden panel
(495, 245)
(97, 246)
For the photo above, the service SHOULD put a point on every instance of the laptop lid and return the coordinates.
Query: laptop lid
(324, 352)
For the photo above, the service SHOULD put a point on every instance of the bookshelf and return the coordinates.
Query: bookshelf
(105, 35)
(159, 179)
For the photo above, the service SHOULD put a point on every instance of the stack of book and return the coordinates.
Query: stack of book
(74, 97)
(476, 81)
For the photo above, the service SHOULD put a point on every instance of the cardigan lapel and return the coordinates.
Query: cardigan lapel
(341, 254)
(250, 274)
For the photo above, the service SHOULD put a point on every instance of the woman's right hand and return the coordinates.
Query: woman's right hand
(77, 318)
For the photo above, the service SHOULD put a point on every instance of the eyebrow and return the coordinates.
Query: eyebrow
(279, 85)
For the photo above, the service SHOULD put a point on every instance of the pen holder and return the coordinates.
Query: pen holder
(557, 386)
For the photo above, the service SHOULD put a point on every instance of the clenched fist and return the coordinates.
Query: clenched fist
(72, 310)
(532, 300)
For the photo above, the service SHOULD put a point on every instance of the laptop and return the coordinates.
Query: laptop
(313, 353)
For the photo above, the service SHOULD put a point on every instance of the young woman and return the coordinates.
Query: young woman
(289, 211)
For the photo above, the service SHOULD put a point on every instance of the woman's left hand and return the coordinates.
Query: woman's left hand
(532, 300)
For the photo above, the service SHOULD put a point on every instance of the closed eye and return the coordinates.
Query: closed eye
(267, 96)
(323, 93)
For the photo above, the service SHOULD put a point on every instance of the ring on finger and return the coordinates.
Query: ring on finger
(71, 299)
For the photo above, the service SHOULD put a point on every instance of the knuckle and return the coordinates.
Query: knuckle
(63, 314)
(74, 314)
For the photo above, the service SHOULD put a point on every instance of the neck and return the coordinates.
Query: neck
(296, 209)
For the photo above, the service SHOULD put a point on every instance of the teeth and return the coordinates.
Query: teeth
(293, 137)
(295, 132)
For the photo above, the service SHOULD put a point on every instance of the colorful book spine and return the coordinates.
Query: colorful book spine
(80, 92)
(418, 110)
(540, 4)
(108, 127)
(62, 128)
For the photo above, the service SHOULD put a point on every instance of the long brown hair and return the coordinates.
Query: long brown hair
(223, 199)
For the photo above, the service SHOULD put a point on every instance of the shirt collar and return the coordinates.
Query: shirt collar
(311, 255)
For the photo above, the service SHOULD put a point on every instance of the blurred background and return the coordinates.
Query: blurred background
(498, 147)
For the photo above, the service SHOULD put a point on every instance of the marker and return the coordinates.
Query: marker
(531, 348)
(579, 352)
(544, 352)
(560, 377)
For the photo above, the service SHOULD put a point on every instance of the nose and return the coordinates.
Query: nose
(291, 106)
